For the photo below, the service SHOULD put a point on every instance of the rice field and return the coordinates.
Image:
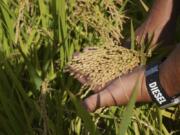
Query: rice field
(38, 39)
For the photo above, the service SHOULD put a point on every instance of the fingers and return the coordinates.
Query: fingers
(81, 77)
(76, 54)
(106, 97)
(99, 88)
(76, 74)
(119, 92)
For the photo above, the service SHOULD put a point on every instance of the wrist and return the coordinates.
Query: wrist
(169, 73)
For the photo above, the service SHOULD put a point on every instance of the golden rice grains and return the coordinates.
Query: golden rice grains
(105, 63)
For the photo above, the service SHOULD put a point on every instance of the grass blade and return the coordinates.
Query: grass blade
(132, 36)
(126, 119)
(84, 115)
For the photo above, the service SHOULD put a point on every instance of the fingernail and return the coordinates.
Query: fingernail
(85, 106)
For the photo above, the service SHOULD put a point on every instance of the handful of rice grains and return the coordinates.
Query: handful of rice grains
(105, 63)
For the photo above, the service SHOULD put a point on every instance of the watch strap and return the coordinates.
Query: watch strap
(156, 91)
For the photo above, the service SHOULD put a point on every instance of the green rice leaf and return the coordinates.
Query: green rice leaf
(126, 119)
(84, 115)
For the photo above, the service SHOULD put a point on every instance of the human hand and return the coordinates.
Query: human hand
(159, 26)
(118, 91)
(84, 77)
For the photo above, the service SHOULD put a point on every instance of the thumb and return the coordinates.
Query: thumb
(119, 91)
(111, 95)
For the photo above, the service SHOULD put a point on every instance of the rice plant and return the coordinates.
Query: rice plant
(37, 39)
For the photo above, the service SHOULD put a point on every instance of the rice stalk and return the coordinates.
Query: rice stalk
(19, 19)
(97, 21)
(44, 91)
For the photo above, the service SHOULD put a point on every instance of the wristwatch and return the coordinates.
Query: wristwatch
(156, 91)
